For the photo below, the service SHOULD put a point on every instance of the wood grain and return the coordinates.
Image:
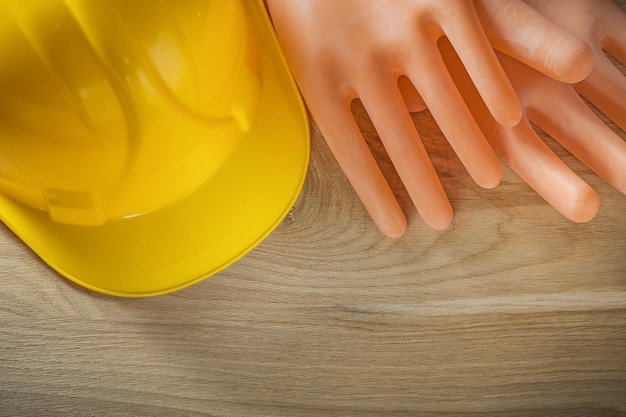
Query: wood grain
(512, 311)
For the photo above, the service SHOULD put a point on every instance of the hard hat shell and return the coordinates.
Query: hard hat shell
(145, 145)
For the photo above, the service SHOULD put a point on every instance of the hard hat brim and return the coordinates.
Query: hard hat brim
(192, 239)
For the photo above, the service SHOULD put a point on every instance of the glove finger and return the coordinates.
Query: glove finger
(466, 34)
(342, 134)
(445, 103)
(518, 30)
(384, 104)
(522, 149)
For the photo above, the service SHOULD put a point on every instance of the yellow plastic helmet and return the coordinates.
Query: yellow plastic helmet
(145, 144)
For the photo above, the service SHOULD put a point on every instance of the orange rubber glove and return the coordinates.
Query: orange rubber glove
(343, 50)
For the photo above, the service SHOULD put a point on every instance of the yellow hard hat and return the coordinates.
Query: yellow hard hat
(145, 144)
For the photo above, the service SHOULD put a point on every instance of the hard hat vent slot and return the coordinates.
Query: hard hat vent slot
(75, 207)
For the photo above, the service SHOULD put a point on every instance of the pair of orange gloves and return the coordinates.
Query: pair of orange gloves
(484, 69)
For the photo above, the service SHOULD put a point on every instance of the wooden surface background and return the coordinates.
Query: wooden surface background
(512, 311)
